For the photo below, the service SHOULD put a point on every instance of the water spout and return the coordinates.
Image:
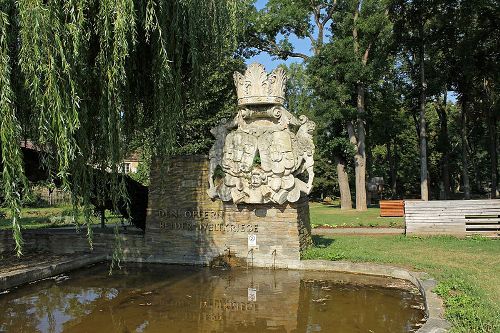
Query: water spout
(228, 250)
(250, 251)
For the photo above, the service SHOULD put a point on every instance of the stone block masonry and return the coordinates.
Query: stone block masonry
(184, 225)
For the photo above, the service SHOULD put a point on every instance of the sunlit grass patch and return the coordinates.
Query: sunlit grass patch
(332, 215)
(49, 217)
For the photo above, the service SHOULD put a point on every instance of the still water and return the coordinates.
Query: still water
(160, 298)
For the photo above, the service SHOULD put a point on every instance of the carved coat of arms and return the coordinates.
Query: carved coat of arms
(264, 148)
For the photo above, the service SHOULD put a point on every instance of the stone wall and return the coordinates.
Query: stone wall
(185, 226)
(69, 241)
(6, 242)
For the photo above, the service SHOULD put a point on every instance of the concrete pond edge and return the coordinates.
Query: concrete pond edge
(434, 308)
(33, 273)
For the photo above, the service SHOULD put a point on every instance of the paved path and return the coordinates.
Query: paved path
(357, 231)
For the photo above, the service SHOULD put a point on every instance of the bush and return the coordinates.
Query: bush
(35, 200)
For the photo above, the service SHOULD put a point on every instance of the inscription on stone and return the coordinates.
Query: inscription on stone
(209, 227)
(182, 213)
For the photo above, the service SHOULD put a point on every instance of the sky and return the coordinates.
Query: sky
(300, 45)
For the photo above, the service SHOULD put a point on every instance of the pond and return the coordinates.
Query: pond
(169, 298)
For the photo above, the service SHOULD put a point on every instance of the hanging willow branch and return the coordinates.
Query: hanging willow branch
(94, 75)
(14, 181)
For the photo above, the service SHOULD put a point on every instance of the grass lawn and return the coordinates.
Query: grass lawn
(468, 270)
(330, 214)
(48, 217)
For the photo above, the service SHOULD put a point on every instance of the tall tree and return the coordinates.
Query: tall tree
(411, 26)
(387, 122)
(93, 75)
(475, 60)
(269, 30)
(302, 100)
(356, 29)
(493, 114)
(354, 58)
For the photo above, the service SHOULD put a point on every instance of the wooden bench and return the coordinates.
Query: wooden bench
(392, 208)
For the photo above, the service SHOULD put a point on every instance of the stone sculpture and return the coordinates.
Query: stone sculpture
(263, 150)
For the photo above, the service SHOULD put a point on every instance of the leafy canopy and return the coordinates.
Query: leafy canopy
(83, 78)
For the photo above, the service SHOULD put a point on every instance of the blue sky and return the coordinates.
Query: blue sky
(300, 45)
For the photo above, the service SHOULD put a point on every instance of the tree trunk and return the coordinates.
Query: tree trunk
(102, 215)
(424, 183)
(369, 155)
(445, 148)
(360, 157)
(391, 154)
(465, 157)
(343, 179)
(492, 128)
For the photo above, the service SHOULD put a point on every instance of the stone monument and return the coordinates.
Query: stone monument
(265, 147)
(247, 202)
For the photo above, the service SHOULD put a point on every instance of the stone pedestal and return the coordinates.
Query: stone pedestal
(185, 226)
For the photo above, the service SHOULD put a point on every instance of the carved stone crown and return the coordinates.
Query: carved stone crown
(257, 87)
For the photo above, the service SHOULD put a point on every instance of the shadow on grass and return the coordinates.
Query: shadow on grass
(321, 241)
(333, 204)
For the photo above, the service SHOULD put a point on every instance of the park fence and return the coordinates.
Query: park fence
(453, 217)
(52, 197)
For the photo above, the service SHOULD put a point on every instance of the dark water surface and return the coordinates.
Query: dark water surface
(159, 298)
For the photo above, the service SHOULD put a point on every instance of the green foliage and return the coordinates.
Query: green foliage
(325, 177)
(206, 103)
(280, 18)
(219, 173)
(460, 54)
(143, 168)
(142, 174)
(300, 98)
(13, 180)
(83, 79)
(346, 62)
(117, 256)
(35, 200)
(302, 101)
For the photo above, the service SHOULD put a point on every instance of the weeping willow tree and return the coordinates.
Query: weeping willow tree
(82, 78)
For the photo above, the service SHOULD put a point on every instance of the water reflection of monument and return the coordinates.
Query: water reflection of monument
(249, 200)
(185, 299)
